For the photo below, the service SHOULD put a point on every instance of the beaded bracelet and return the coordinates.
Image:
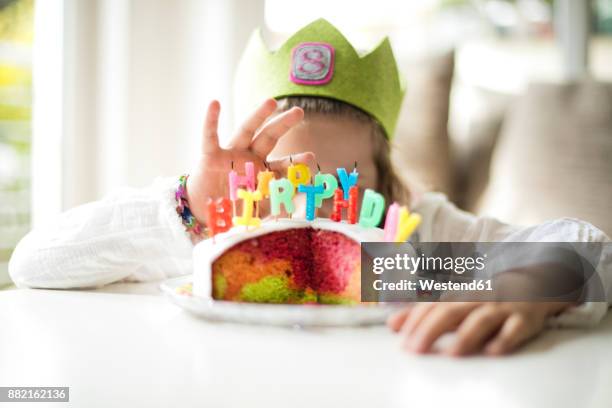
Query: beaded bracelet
(189, 221)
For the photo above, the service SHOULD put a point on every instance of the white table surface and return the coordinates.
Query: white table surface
(125, 345)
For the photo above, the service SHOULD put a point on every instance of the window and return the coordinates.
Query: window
(16, 21)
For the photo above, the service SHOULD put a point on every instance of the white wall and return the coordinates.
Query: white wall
(137, 75)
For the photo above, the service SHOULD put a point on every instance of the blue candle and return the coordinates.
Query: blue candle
(311, 191)
(347, 180)
(329, 184)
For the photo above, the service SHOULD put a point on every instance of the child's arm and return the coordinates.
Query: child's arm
(131, 234)
(495, 327)
(137, 234)
(448, 223)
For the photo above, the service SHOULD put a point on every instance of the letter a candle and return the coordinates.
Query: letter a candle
(263, 185)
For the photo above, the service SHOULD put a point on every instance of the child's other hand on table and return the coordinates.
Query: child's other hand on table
(253, 142)
(493, 328)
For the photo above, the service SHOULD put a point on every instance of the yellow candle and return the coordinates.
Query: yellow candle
(406, 225)
(297, 174)
(263, 182)
(248, 198)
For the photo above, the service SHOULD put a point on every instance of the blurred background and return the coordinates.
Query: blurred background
(508, 109)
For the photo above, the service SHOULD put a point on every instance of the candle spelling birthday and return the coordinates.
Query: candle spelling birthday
(400, 223)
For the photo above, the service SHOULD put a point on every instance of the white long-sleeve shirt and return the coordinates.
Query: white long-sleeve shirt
(136, 235)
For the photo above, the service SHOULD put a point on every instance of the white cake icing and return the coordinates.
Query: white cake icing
(207, 251)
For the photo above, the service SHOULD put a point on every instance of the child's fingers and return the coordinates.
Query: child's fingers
(244, 137)
(476, 329)
(417, 314)
(397, 319)
(271, 132)
(440, 320)
(210, 137)
(513, 333)
(279, 166)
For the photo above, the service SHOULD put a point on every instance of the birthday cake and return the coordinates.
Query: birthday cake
(284, 261)
(309, 260)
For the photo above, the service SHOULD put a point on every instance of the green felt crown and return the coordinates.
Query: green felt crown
(370, 82)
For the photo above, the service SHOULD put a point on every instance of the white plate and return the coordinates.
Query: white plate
(272, 314)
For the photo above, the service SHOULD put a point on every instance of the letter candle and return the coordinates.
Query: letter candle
(406, 225)
(263, 181)
(329, 183)
(372, 208)
(219, 217)
(350, 205)
(263, 184)
(298, 173)
(236, 181)
(311, 192)
(347, 180)
(248, 198)
(281, 192)
(391, 222)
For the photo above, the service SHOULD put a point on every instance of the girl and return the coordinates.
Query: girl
(137, 235)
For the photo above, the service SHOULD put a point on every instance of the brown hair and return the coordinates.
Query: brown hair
(388, 182)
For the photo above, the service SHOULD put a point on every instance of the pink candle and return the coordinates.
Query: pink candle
(236, 181)
(391, 222)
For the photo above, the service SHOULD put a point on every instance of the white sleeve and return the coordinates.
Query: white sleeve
(443, 221)
(132, 234)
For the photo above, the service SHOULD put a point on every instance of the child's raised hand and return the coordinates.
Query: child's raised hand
(253, 142)
(490, 327)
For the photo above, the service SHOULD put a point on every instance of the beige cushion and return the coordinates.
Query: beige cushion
(554, 157)
(421, 145)
(473, 146)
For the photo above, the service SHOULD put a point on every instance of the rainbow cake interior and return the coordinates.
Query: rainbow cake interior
(299, 265)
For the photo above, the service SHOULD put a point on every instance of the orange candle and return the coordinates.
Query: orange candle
(263, 182)
(219, 215)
